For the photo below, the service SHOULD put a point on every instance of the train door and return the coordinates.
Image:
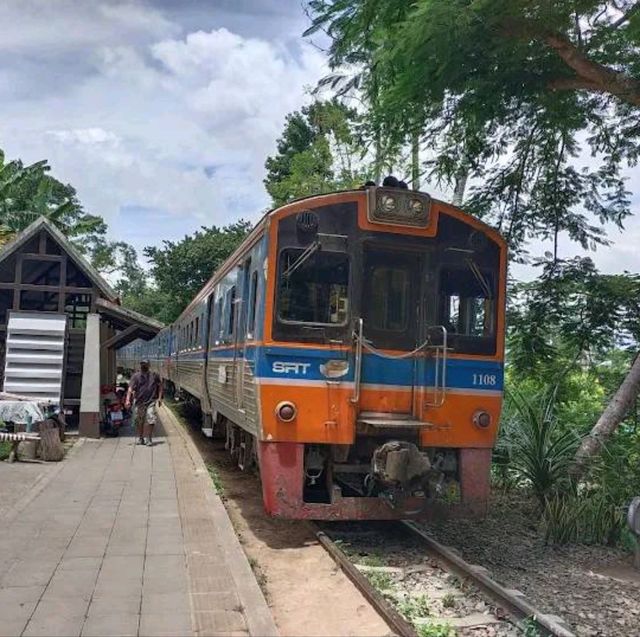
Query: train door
(393, 319)
(241, 333)
(205, 331)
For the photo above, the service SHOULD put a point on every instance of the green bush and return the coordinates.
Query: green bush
(533, 448)
(590, 518)
(542, 425)
(435, 629)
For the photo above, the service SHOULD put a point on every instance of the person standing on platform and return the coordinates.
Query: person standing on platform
(145, 389)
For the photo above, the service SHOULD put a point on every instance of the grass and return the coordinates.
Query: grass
(530, 628)
(178, 411)
(382, 582)
(448, 600)
(261, 578)
(216, 479)
(415, 608)
(372, 560)
(434, 629)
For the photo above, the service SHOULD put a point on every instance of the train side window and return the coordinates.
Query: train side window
(389, 306)
(218, 319)
(253, 296)
(467, 302)
(231, 296)
(197, 337)
(314, 291)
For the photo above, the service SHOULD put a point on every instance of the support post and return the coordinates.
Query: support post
(475, 480)
(90, 392)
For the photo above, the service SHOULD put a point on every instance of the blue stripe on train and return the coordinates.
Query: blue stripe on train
(284, 362)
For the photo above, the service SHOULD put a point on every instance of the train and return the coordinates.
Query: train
(352, 349)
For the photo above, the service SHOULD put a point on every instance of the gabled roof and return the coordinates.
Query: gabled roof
(132, 325)
(42, 223)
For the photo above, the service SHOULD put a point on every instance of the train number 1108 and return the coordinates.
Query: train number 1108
(485, 380)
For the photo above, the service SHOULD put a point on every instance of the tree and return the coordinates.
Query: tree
(119, 261)
(28, 192)
(512, 92)
(611, 417)
(570, 315)
(570, 320)
(180, 268)
(316, 153)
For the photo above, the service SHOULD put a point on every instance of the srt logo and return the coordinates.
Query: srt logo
(280, 367)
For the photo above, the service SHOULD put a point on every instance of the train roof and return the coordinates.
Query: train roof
(256, 233)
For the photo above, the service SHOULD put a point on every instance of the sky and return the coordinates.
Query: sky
(161, 113)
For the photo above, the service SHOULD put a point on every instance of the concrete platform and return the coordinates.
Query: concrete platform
(126, 540)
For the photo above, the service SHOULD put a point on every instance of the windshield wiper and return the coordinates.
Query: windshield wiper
(484, 284)
(302, 259)
(329, 242)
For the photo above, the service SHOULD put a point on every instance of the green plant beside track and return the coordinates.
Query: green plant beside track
(542, 427)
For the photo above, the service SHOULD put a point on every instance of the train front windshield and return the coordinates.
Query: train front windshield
(391, 294)
(407, 289)
(313, 288)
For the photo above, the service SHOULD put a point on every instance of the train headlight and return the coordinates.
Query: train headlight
(482, 419)
(398, 206)
(286, 411)
(416, 207)
(388, 203)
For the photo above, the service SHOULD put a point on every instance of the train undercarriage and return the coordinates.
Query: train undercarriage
(386, 476)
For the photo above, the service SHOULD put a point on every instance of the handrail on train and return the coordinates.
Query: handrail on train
(440, 363)
(440, 368)
(357, 372)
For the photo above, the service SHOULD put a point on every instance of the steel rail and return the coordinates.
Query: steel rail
(512, 602)
(390, 615)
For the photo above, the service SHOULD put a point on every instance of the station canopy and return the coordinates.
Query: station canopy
(131, 325)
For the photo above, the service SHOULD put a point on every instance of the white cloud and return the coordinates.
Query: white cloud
(91, 136)
(67, 25)
(233, 83)
(181, 125)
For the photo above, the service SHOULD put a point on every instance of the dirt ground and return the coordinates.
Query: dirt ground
(308, 594)
(594, 588)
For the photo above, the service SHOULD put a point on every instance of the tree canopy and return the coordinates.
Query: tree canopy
(180, 268)
(571, 316)
(317, 152)
(28, 192)
(516, 93)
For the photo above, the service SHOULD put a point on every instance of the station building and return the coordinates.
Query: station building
(60, 325)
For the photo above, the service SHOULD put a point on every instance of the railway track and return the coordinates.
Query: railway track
(423, 589)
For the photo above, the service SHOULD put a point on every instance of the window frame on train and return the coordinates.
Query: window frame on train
(465, 342)
(253, 299)
(348, 285)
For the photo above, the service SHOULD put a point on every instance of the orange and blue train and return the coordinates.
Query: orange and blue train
(352, 348)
